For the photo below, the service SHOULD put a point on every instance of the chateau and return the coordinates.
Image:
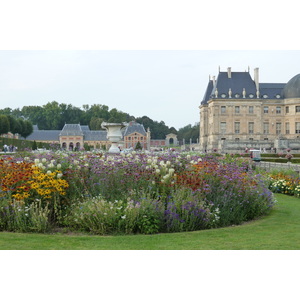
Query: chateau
(75, 136)
(239, 112)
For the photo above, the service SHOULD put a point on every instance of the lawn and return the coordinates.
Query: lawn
(277, 231)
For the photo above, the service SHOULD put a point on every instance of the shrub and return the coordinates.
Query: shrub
(18, 217)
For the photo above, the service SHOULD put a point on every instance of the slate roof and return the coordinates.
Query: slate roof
(82, 130)
(71, 130)
(134, 127)
(95, 135)
(238, 82)
(44, 135)
(271, 89)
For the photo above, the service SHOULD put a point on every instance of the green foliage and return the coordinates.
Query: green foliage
(138, 146)
(86, 147)
(21, 144)
(34, 145)
(189, 132)
(20, 218)
(53, 116)
(100, 216)
(4, 124)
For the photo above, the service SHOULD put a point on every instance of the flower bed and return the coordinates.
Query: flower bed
(129, 193)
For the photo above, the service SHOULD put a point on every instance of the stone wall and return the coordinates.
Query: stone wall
(268, 166)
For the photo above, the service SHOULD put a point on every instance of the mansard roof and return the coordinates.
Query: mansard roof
(238, 82)
(134, 127)
(71, 130)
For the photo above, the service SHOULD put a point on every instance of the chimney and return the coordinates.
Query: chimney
(214, 81)
(256, 78)
(229, 72)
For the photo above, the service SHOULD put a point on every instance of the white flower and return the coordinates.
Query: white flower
(157, 171)
(36, 161)
(59, 175)
(49, 172)
(171, 171)
(123, 217)
(58, 166)
(44, 160)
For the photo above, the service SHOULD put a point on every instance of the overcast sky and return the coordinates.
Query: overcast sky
(165, 85)
(149, 58)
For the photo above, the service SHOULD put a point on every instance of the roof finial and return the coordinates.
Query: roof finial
(216, 93)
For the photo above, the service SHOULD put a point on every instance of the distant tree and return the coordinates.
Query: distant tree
(4, 124)
(34, 145)
(172, 130)
(189, 132)
(14, 125)
(95, 123)
(26, 128)
(138, 146)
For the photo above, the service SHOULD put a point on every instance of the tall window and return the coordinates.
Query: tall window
(266, 128)
(223, 109)
(251, 127)
(266, 109)
(223, 127)
(287, 109)
(297, 127)
(297, 108)
(251, 109)
(278, 110)
(236, 127)
(278, 128)
(287, 128)
(237, 109)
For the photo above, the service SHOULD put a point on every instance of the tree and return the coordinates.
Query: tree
(189, 132)
(26, 128)
(95, 123)
(4, 124)
(34, 145)
(138, 146)
(14, 125)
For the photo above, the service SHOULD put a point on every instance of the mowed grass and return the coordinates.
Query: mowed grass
(280, 230)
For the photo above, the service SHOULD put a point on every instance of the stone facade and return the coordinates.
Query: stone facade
(239, 112)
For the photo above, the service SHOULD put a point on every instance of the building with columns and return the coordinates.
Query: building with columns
(238, 112)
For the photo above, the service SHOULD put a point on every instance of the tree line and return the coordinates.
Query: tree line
(16, 126)
(54, 115)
